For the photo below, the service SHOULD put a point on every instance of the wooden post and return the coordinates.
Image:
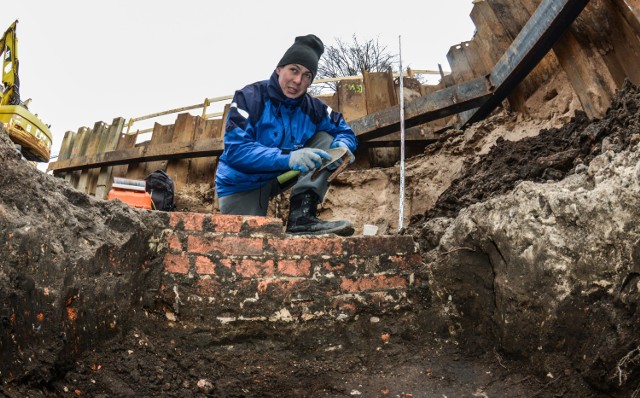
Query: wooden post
(112, 136)
(332, 100)
(202, 170)
(616, 39)
(184, 131)
(79, 148)
(125, 141)
(160, 135)
(223, 123)
(351, 99)
(93, 141)
(65, 149)
(380, 93)
(461, 69)
(587, 72)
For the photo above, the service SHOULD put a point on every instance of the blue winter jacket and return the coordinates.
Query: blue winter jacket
(263, 126)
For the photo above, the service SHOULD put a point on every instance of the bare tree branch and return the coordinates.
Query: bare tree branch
(351, 59)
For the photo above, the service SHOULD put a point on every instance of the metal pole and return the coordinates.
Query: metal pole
(401, 205)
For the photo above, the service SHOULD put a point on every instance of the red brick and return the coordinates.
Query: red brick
(173, 241)
(226, 223)
(345, 306)
(207, 287)
(294, 267)
(204, 266)
(333, 267)
(226, 262)
(377, 245)
(406, 262)
(226, 245)
(190, 221)
(307, 246)
(282, 286)
(176, 263)
(255, 269)
(376, 282)
(264, 224)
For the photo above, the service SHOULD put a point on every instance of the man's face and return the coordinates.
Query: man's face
(294, 80)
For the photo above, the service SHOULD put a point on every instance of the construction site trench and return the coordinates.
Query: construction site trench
(521, 279)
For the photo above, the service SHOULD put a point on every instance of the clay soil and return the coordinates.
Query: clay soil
(406, 355)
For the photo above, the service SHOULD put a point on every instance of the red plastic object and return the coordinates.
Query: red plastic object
(137, 199)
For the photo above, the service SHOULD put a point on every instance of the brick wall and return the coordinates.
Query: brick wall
(221, 269)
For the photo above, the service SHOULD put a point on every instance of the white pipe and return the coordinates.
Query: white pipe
(401, 205)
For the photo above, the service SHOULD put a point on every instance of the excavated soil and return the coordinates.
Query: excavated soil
(549, 156)
(407, 355)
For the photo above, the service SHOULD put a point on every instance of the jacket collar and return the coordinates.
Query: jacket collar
(276, 94)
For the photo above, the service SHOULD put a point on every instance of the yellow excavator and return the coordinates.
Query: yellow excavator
(24, 128)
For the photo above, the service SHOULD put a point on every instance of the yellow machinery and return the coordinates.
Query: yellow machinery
(24, 128)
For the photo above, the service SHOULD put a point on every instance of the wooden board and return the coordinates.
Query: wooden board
(380, 93)
(93, 140)
(184, 131)
(202, 170)
(110, 143)
(126, 141)
(351, 98)
(143, 153)
(332, 100)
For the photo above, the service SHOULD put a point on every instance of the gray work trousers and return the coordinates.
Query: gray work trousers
(256, 202)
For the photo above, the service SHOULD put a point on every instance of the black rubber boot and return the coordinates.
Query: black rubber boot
(303, 221)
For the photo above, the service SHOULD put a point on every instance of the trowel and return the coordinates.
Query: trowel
(335, 153)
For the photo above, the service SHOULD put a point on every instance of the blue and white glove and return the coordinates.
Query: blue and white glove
(307, 159)
(337, 163)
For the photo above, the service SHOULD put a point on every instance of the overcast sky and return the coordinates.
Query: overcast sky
(87, 61)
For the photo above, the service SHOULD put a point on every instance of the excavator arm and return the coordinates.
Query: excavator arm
(24, 128)
(9, 51)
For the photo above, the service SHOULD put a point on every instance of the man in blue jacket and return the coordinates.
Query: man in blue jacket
(275, 126)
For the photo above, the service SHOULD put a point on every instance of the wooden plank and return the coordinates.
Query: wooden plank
(513, 16)
(65, 149)
(93, 140)
(79, 147)
(380, 93)
(112, 136)
(351, 98)
(332, 100)
(541, 32)
(627, 42)
(445, 102)
(606, 29)
(125, 141)
(143, 153)
(223, 123)
(184, 130)
(202, 170)
(67, 145)
(493, 38)
(418, 135)
(461, 69)
(579, 64)
(161, 134)
(630, 9)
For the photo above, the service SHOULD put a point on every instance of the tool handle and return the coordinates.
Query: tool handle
(282, 178)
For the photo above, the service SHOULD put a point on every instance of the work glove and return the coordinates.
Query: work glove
(337, 163)
(307, 159)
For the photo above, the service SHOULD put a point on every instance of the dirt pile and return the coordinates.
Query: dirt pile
(549, 156)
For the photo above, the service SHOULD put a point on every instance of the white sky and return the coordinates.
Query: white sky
(88, 61)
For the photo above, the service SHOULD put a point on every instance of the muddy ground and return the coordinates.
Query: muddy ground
(408, 355)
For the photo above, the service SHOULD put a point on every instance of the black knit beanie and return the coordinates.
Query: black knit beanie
(305, 51)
